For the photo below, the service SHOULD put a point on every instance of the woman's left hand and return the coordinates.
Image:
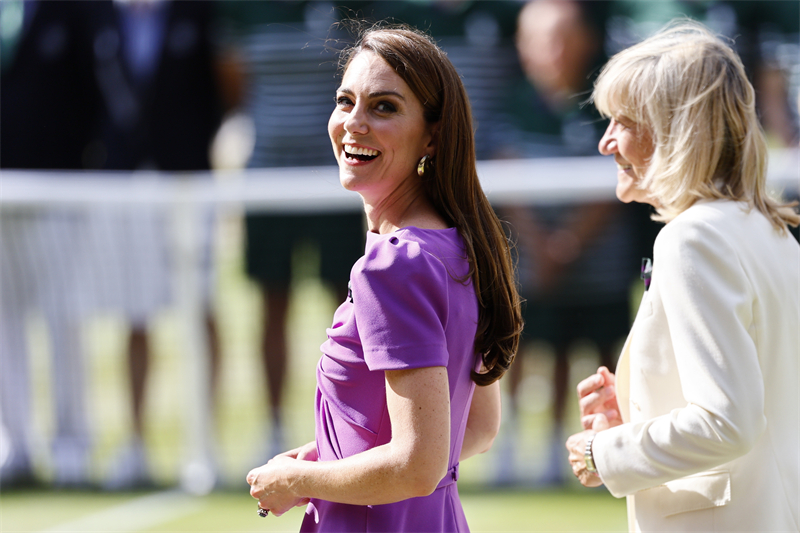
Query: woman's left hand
(271, 483)
(576, 445)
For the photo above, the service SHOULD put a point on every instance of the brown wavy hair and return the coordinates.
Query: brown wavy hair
(451, 182)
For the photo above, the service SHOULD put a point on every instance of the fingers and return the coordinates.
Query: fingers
(600, 422)
(271, 493)
(577, 468)
(252, 477)
(302, 456)
(611, 416)
(280, 507)
(576, 444)
(608, 377)
(602, 378)
(590, 384)
(595, 402)
(308, 452)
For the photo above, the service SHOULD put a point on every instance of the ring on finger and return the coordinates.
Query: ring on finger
(263, 512)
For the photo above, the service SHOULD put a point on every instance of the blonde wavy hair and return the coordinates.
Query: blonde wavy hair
(690, 90)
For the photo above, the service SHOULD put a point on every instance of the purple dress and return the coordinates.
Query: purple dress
(407, 308)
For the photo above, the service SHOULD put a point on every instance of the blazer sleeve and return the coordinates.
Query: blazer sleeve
(708, 304)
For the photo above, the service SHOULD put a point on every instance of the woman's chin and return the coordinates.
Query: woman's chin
(628, 191)
(346, 178)
(624, 194)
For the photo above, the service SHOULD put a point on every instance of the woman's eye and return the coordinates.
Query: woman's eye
(386, 107)
(343, 101)
(625, 124)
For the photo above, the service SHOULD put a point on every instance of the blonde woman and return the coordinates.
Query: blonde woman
(700, 427)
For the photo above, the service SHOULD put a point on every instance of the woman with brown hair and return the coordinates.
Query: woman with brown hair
(407, 385)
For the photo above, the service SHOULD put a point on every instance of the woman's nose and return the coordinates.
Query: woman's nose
(356, 121)
(608, 143)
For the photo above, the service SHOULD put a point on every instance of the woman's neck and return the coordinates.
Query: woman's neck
(415, 211)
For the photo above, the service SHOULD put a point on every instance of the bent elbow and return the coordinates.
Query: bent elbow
(741, 435)
(423, 489)
(422, 486)
(491, 435)
(749, 435)
(426, 477)
(487, 435)
(487, 443)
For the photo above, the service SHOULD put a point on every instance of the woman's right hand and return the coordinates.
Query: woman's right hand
(267, 486)
(597, 395)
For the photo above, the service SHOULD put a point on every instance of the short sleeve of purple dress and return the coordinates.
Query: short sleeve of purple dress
(409, 306)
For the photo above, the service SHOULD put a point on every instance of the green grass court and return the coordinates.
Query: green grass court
(227, 511)
(242, 431)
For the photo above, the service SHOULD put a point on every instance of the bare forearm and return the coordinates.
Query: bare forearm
(410, 465)
(377, 476)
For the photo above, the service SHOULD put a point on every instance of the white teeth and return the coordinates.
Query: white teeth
(357, 150)
(624, 167)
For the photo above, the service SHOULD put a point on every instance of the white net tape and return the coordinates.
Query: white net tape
(60, 255)
(303, 189)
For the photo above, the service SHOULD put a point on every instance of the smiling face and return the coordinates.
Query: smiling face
(378, 130)
(632, 147)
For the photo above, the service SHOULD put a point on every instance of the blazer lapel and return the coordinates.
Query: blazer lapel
(623, 380)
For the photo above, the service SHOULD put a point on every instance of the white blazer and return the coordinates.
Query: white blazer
(709, 381)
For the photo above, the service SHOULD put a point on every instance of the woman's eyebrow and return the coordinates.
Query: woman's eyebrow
(377, 94)
(386, 93)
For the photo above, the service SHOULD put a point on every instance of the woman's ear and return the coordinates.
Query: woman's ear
(434, 139)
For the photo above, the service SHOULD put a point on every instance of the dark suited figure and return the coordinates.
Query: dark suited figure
(576, 259)
(478, 37)
(284, 72)
(154, 65)
(46, 114)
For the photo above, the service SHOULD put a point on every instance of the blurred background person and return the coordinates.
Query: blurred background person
(766, 35)
(277, 55)
(767, 38)
(576, 259)
(155, 69)
(478, 37)
(46, 114)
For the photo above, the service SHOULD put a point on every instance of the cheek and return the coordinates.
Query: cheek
(645, 149)
(334, 125)
(336, 133)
